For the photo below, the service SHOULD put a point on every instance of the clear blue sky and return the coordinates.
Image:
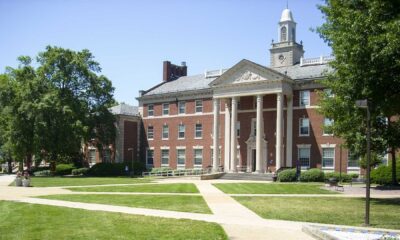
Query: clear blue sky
(131, 39)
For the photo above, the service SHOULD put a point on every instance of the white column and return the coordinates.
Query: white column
(259, 134)
(215, 163)
(279, 117)
(227, 141)
(233, 135)
(289, 130)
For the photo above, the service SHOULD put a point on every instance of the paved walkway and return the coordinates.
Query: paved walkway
(237, 221)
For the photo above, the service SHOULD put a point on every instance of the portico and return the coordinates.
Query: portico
(249, 79)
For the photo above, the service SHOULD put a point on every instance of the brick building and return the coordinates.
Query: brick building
(259, 118)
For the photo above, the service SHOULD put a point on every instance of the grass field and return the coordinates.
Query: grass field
(148, 188)
(195, 204)
(271, 188)
(344, 211)
(82, 181)
(27, 221)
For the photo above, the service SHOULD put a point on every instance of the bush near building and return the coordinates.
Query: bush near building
(288, 175)
(64, 169)
(312, 175)
(344, 177)
(115, 169)
(383, 174)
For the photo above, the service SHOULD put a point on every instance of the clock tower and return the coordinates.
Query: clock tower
(287, 51)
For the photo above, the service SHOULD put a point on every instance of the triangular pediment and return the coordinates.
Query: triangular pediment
(246, 72)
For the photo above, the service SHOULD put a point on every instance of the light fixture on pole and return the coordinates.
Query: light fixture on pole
(364, 104)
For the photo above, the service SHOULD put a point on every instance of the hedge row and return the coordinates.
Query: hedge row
(383, 174)
(313, 175)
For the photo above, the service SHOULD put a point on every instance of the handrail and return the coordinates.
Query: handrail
(176, 173)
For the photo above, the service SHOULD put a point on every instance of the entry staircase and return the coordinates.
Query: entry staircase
(248, 176)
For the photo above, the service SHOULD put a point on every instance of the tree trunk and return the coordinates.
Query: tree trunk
(9, 161)
(394, 177)
(28, 161)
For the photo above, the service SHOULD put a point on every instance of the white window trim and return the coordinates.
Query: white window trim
(322, 156)
(304, 135)
(195, 130)
(148, 138)
(163, 109)
(304, 146)
(162, 133)
(184, 110)
(177, 164)
(161, 157)
(323, 130)
(194, 156)
(184, 131)
(147, 149)
(195, 106)
(309, 102)
(148, 115)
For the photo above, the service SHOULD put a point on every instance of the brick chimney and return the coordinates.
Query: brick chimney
(172, 72)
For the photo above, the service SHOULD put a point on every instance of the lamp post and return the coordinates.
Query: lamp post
(364, 104)
(131, 149)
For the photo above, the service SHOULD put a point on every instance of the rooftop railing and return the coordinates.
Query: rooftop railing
(315, 61)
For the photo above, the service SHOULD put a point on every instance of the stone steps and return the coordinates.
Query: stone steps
(248, 176)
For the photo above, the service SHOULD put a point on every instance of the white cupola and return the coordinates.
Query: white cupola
(287, 27)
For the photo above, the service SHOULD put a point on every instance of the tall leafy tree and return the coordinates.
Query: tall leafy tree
(364, 38)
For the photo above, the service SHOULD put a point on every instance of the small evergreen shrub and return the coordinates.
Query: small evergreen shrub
(383, 174)
(43, 173)
(353, 175)
(288, 175)
(80, 171)
(312, 175)
(64, 169)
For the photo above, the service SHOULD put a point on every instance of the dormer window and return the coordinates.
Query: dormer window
(283, 34)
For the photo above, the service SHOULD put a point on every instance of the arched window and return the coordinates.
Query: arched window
(283, 34)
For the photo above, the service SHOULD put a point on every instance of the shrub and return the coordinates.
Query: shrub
(64, 169)
(353, 175)
(345, 177)
(288, 175)
(383, 174)
(80, 171)
(312, 175)
(107, 169)
(44, 173)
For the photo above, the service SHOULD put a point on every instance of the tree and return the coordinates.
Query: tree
(54, 108)
(364, 38)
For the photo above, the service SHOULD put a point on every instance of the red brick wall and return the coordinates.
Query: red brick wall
(130, 140)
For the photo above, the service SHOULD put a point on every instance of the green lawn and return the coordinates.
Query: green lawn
(149, 188)
(82, 181)
(194, 204)
(28, 221)
(344, 211)
(271, 188)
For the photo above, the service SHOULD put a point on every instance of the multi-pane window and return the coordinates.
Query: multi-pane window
(150, 110)
(198, 156)
(150, 132)
(180, 155)
(199, 106)
(164, 157)
(304, 127)
(283, 34)
(353, 160)
(107, 155)
(328, 155)
(327, 130)
(150, 157)
(92, 156)
(181, 131)
(304, 157)
(165, 109)
(165, 132)
(181, 107)
(198, 130)
(304, 98)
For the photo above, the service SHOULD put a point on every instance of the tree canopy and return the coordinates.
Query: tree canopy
(364, 36)
(53, 108)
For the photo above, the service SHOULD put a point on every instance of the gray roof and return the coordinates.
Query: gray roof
(297, 72)
(124, 109)
(198, 82)
(186, 83)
